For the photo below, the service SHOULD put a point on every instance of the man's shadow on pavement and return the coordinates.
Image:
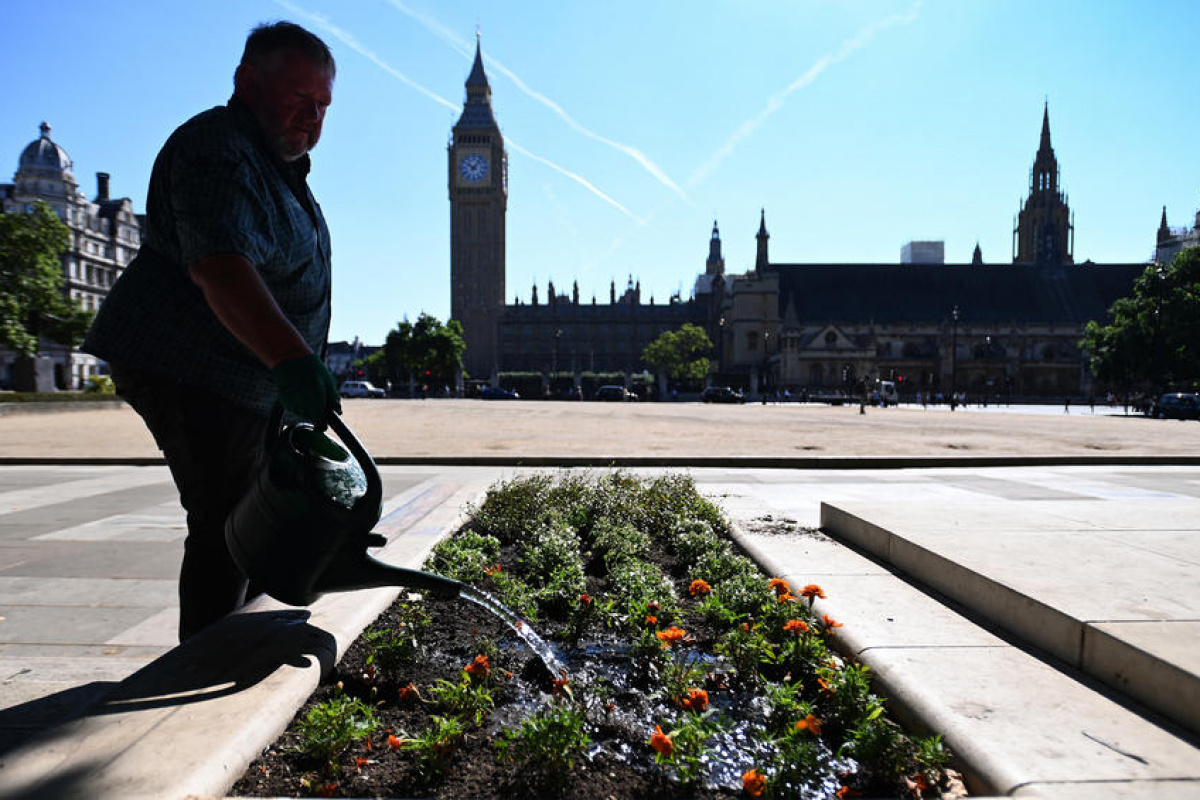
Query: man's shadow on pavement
(227, 658)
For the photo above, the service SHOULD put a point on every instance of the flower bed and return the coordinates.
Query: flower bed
(688, 673)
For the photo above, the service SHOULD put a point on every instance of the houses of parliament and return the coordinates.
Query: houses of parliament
(1009, 329)
(990, 329)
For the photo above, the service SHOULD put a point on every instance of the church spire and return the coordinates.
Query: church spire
(1164, 232)
(762, 261)
(716, 262)
(1044, 231)
(1044, 145)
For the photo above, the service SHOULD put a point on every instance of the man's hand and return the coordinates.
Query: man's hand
(306, 388)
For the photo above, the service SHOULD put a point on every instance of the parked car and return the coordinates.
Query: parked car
(361, 389)
(612, 394)
(497, 393)
(721, 394)
(1176, 405)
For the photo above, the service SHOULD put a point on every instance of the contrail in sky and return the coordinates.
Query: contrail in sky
(465, 49)
(775, 102)
(350, 41)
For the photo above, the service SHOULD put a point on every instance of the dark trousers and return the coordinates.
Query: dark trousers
(212, 447)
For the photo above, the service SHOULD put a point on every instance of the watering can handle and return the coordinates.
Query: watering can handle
(370, 503)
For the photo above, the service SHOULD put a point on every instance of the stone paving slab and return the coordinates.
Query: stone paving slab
(1050, 579)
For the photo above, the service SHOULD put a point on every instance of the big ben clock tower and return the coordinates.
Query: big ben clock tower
(478, 202)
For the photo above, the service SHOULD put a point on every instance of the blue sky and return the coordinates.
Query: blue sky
(858, 126)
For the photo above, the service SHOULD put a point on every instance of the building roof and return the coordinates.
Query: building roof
(477, 111)
(43, 157)
(993, 293)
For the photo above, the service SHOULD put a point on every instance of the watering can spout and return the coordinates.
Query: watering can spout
(359, 570)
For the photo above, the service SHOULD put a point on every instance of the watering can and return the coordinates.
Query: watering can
(304, 526)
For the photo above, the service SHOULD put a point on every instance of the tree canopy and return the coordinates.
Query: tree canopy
(1153, 338)
(31, 283)
(426, 351)
(682, 354)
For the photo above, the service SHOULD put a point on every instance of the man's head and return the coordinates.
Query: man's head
(286, 80)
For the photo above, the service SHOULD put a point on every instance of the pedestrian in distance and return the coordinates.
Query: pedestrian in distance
(225, 310)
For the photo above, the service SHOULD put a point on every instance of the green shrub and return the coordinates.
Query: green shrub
(551, 564)
(100, 384)
(745, 595)
(389, 648)
(549, 742)
(466, 557)
(331, 727)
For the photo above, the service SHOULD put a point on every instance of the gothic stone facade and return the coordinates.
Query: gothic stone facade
(994, 330)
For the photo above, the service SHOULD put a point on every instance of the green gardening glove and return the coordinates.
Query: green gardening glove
(306, 388)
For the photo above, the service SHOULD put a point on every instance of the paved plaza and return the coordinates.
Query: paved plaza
(1045, 618)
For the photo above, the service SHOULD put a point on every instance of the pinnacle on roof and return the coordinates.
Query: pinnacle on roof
(762, 224)
(1045, 143)
(477, 77)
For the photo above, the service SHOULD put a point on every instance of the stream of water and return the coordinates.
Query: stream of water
(519, 627)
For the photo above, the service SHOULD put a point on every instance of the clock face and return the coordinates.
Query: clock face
(473, 167)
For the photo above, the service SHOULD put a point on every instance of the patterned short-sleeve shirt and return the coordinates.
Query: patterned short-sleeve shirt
(217, 188)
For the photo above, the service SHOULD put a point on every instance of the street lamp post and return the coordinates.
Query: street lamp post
(954, 314)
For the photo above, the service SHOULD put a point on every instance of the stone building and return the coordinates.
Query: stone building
(478, 183)
(105, 236)
(1172, 240)
(994, 330)
(557, 334)
(989, 330)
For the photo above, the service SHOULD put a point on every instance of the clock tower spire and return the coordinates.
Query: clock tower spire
(478, 184)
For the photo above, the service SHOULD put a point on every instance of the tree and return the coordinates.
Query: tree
(31, 283)
(427, 351)
(681, 354)
(1153, 340)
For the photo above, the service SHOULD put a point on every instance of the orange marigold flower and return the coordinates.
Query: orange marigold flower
(651, 619)
(479, 668)
(845, 792)
(408, 692)
(561, 684)
(662, 743)
(831, 623)
(919, 782)
(824, 684)
(786, 597)
(754, 782)
(493, 569)
(780, 586)
(795, 626)
(585, 600)
(699, 587)
(329, 790)
(360, 762)
(697, 700)
(672, 635)
(394, 742)
(810, 724)
(811, 591)
(652, 607)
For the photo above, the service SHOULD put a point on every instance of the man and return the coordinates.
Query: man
(225, 310)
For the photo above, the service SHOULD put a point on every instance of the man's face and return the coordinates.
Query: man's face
(289, 96)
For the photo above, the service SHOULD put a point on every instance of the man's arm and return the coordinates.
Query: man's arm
(242, 302)
(237, 295)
